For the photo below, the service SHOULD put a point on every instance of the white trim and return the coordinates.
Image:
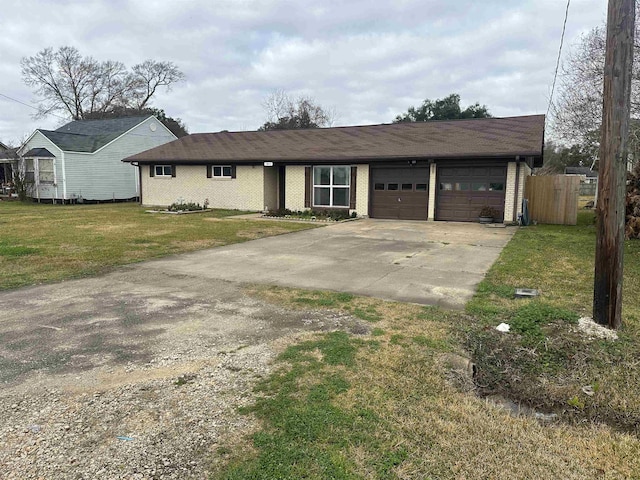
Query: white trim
(331, 186)
(64, 176)
(162, 175)
(29, 139)
(221, 167)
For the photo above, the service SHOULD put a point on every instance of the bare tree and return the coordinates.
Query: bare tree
(78, 86)
(577, 111)
(283, 113)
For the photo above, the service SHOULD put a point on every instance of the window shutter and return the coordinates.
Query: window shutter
(173, 170)
(208, 171)
(233, 171)
(152, 170)
(308, 187)
(352, 188)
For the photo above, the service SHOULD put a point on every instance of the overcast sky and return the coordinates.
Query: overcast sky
(367, 59)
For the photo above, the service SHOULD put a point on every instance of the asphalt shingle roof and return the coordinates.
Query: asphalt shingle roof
(487, 137)
(39, 152)
(90, 135)
(580, 171)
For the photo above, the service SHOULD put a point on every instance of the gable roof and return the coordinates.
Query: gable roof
(486, 137)
(90, 135)
(580, 171)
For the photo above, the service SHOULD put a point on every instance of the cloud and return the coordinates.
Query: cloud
(367, 60)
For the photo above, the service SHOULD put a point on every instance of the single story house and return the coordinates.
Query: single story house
(585, 173)
(440, 170)
(82, 159)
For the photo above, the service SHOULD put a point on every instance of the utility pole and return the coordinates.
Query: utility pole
(610, 209)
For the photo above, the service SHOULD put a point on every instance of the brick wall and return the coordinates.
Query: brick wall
(509, 193)
(245, 192)
(362, 191)
(294, 188)
(431, 208)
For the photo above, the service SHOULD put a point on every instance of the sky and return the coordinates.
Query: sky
(367, 60)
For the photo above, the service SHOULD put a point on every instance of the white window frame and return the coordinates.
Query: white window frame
(26, 172)
(331, 186)
(221, 167)
(163, 174)
(53, 172)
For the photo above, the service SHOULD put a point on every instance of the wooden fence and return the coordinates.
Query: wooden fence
(553, 198)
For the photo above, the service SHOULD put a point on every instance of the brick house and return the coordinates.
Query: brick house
(441, 170)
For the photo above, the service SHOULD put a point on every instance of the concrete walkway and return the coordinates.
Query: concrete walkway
(432, 263)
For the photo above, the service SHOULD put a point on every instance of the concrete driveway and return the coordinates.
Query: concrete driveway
(163, 352)
(431, 263)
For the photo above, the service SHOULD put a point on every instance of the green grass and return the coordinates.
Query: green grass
(44, 243)
(306, 434)
(545, 362)
(392, 405)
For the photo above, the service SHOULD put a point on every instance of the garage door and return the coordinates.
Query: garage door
(463, 191)
(400, 192)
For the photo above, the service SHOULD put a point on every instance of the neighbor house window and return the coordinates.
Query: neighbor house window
(331, 186)
(45, 170)
(223, 171)
(163, 170)
(29, 171)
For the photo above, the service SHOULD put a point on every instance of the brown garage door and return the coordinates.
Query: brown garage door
(463, 191)
(399, 192)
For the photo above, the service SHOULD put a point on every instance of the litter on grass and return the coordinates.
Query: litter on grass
(503, 327)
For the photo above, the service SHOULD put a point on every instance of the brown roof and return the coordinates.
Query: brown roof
(486, 137)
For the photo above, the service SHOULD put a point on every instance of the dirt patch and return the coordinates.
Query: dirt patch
(135, 376)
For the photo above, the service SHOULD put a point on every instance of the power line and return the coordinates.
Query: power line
(31, 106)
(555, 75)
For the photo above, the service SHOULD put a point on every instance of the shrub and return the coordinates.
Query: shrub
(185, 207)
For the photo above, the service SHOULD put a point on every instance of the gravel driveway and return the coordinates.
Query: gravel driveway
(134, 376)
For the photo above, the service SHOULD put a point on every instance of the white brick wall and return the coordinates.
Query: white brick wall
(245, 192)
(294, 188)
(431, 209)
(362, 191)
(510, 192)
(525, 171)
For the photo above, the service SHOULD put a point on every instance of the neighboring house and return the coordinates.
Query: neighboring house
(440, 170)
(587, 175)
(588, 185)
(8, 162)
(82, 159)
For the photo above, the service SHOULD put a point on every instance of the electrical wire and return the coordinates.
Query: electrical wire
(30, 106)
(555, 75)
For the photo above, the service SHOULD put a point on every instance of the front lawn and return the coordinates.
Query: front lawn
(546, 363)
(400, 400)
(43, 243)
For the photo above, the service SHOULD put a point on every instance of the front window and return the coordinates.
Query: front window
(163, 170)
(45, 170)
(223, 171)
(331, 186)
